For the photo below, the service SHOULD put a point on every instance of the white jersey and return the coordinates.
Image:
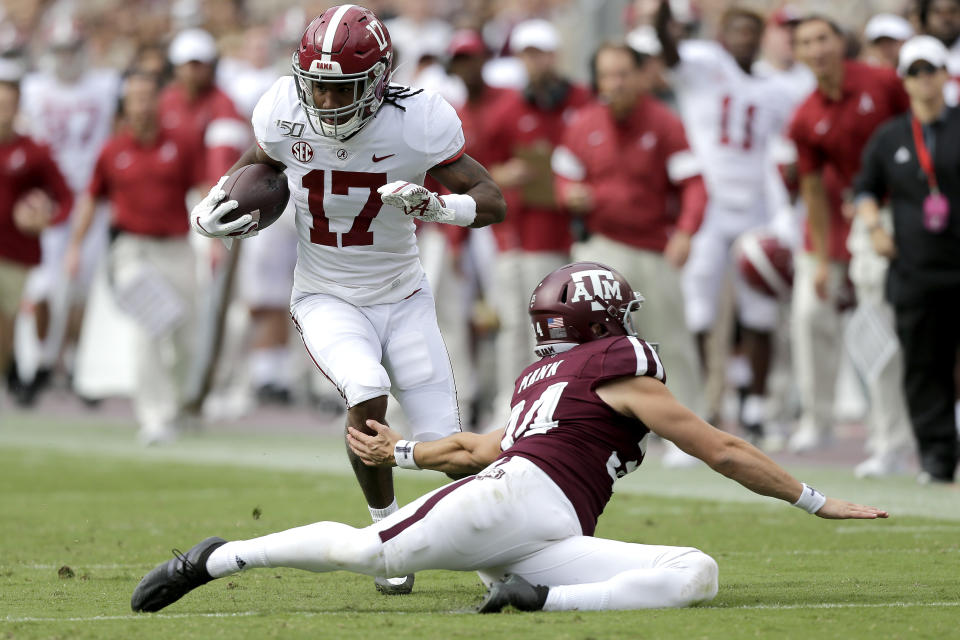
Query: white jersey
(351, 245)
(74, 120)
(731, 119)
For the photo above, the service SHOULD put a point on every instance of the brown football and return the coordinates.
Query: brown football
(260, 190)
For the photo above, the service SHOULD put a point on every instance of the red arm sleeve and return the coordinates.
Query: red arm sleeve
(54, 185)
(98, 181)
(809, 159)
(693, 204)
(684, 171)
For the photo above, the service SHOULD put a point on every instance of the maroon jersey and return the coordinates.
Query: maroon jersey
(25, 166)
(559, 423)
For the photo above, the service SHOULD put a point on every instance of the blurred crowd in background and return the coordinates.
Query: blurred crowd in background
(69, 60)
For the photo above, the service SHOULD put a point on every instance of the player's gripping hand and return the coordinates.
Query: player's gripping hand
(834, 509)
(374, 450)
(207, 216)
(417, 201)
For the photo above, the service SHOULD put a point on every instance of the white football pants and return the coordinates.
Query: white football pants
(510, 518)
(395, 348)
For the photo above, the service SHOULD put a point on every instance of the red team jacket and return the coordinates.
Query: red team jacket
(24, 167)
(561, 425)
(516, 124)
(830, 136)
(214, 124)
(147, 184)
(637, 171)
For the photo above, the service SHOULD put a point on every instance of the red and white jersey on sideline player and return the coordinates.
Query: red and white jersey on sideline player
(73, 120)
(351, 245)
(731, 118)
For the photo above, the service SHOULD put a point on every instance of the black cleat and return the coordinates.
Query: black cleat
(394, 586)
(514, 591)
(170, 581)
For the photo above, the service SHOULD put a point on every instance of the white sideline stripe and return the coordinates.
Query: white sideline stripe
(838, 605)
(313, 614)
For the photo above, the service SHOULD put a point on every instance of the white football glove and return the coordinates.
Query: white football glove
(206, 216)
(417, 201)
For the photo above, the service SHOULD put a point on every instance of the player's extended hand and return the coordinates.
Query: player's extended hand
(416, 200)
(374, 450)
(206, 217)
(834, 509)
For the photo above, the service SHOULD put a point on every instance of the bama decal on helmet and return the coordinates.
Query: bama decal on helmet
(595, 282)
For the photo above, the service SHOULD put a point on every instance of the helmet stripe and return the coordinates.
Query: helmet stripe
(331, 31)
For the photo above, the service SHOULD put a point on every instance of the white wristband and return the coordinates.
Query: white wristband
(810, 499)
(403, 454)
(464, 208)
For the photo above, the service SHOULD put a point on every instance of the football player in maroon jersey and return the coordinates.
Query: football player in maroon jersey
(580, 420)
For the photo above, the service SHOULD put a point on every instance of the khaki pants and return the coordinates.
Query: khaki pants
(816, 330)
(161, 360)
(515, 275)
(13, 276)
(661, 319)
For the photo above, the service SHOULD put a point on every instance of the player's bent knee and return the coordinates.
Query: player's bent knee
(702, 575)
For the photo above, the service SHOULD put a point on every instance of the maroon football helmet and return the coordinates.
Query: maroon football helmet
(566, 304)
(765, 263)
(345, 45)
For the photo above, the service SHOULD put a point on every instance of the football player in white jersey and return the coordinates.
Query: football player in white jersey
(70, 108)
(356, 151)
(732, 117)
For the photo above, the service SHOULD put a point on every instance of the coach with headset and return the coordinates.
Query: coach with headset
(914, 160)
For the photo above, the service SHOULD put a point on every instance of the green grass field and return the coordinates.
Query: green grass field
(84, 496)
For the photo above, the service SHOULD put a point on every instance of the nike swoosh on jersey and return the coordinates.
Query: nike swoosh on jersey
(376, 159)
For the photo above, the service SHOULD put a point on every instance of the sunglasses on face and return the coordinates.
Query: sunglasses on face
(921, 69)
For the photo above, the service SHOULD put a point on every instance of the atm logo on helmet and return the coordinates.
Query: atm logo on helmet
(595, 282)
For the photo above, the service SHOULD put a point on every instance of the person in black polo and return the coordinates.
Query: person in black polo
(914, 160)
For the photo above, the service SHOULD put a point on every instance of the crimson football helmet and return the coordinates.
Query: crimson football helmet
(345, 45)
(569, 301)
(765, 263)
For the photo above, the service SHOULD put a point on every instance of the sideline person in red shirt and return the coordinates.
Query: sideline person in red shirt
(192, 105)
(145, 171)
(830, 129)
(626, 167)
(536, 239)
(27, 172)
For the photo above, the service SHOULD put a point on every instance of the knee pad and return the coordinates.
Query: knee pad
(410, 359)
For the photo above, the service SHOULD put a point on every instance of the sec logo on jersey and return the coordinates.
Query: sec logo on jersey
(302, 151)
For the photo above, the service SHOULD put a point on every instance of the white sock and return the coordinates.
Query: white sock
(754, 409)
(380, 514)
(262, 367)
(318, 547)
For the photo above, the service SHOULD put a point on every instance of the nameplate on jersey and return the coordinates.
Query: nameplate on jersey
(290, 129)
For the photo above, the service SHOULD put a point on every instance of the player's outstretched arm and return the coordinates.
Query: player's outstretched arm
(466, 176)
(459, 453)
(649, 400)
